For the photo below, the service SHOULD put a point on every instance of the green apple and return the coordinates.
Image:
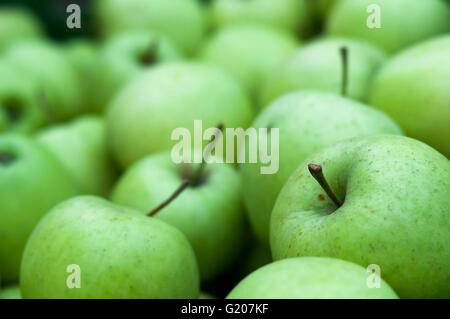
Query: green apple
(402, 22)
(31, 182)
(82, 149)
(11, 292)
(250, 52)
(124, 56)
(413, 88)
(291, 15)
(119, 253)
(83, 55)
(307, 121)
(17, 24)
(46, 64)
(394, 212)
(318, 66)
(310, 278)
(210, 214)
(181, 20)
(20, 107)
(143, 116)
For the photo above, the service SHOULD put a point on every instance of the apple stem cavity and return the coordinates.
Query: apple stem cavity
(150, 55)
(344, 59)
(6, 158)
(317, 172)
(198, 173)
(184, 184)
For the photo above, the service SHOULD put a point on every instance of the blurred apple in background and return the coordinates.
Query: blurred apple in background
(123, 57)
(413, 88)
(250, 52)
(318, 66)
(403, 22)
(183, 21)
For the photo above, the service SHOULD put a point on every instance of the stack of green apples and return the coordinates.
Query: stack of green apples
(355, 93)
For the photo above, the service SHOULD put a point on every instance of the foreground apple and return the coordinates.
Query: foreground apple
(143, 116)
(120, 252)
(310, 278)
(250, 52)
(46, 64)
(31, 182)
(20, 107)
(307, 122)
(181, 20)
(124, 56)
(391, 208)
(291, 15)
(413, 88)
(403, 22)
(17, 24)
(209, 212)
(82, 149)
(318, 66)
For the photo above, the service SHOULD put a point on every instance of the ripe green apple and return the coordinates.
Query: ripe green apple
(310, 278)
(82, 149)
(250, 52)
(17, 24)
(143, 116)
(181, 20)
(120, 252)
(403, 22)
(413, 88)
(318, 66)
(395, 212)
(83, 55)
(11, 292)
(307, 121)
(210, 214)
(20, 108)
(46, 64)
(290, 15)
(124, 56)
(31, 182)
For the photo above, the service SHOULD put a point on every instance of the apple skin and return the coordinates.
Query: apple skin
(310, 278)
(120, 61)
(238, 49)
(307, 122)
(142, 117)
(20, 108)
(17, 24)
(46, 64)
(413, 88)
(318, 66)
(83, 56)
(81, 146)
(121, 254)
(290, 15)
(395, 212)
(30, 184)
(183, 21)
(211, 215)
(11, 292)
(403, 22)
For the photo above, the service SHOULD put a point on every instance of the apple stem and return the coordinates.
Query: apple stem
(317, 172)
(149, 56)
(184, 184)
(198, 173)
(344, 59)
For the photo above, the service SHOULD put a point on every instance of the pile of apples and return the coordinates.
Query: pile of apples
(92, 205)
